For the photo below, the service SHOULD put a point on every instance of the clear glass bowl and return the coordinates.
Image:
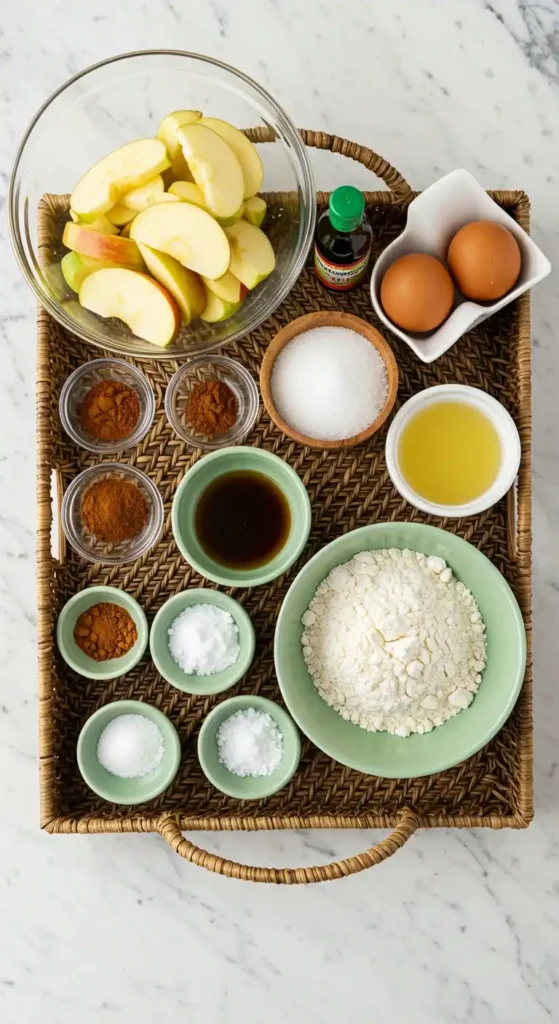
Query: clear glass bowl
(100, 551)
(122, 99)
(209, 368)
(81, 381)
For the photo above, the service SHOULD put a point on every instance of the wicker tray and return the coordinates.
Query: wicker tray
(347, 489)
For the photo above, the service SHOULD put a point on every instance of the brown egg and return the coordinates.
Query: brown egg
(484, 260)
(417, 292)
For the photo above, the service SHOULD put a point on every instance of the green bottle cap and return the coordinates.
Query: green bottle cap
(346, 208)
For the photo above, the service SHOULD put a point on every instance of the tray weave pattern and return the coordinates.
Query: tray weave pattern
(347, 489)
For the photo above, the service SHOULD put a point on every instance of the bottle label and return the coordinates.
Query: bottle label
(340, 277)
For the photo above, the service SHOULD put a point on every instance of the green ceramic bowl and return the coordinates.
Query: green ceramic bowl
(111, 787)
(166, 664)
(239, 786)
(203, 473)
(381, 753)
(78, 659)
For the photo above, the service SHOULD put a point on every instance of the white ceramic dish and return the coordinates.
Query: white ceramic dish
(501, 420)
(433, 218)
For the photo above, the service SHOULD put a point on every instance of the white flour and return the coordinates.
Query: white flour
(394, 642)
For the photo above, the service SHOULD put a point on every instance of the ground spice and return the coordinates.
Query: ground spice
(114, 510)
(110, 410)
(105, 631)
(212, 407)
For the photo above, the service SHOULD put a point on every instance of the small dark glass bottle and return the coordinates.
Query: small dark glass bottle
(343, 240)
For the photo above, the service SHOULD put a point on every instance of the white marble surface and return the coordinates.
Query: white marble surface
(459, 926)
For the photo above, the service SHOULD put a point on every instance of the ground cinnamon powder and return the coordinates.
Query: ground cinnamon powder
(212, 407)
(105, 631)
(110, 410)
(114, 510)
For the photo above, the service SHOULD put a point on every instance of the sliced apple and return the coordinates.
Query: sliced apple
(120, 214)
(189, 192)
(102, 224)
(228, 288)
(244, 150)
(217, 309)
(121, 171)
(113, 248)
(125, 233)
(214, 167)
(163, 197)
(138, 198)
(75, 268)
(167, 132)
(150, 312)
(252, 256)
(187, 233)
(184, 285)
(254, 211)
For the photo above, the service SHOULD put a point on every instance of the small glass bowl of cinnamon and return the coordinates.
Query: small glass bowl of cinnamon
(112, 513)
(212, 402)
(106, 406)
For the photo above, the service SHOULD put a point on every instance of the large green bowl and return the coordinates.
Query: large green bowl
(203, 473)
(381, 753)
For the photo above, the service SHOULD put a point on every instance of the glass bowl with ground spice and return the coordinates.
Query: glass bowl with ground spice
(212, 402)
(106, 406)
(112, 513)
(102, 632)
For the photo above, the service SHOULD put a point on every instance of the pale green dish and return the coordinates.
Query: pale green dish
(166, 664)
(228, 460)
(111, 787)
(78, 659)
(381, 753)
(246, 787)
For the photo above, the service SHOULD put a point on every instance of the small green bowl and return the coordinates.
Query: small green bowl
(380, 753)
(166, 664)
(78, 659)
(228, 460)
(240, 786)
(112, 787)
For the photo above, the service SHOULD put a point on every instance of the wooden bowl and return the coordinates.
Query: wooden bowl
(328, 318)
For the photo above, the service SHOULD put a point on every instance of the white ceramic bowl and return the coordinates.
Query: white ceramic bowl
(503, 424)
(433, 219)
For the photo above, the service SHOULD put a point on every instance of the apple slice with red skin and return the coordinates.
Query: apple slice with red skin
(184, 285)
(142, 303)
(112, 248)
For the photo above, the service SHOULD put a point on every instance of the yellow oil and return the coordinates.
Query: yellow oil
(449, 453)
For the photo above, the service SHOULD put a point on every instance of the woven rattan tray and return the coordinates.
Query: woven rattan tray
(347, 489)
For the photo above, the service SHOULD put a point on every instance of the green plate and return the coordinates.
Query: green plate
(78, 659)
(203, 473)
(166, 664)
(240, 786)
(381, 753)
(111, 787)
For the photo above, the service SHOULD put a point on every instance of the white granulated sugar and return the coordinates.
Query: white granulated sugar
(394, 642)
(130, 746)
(250, 743)
(329, 383)
(204, 640)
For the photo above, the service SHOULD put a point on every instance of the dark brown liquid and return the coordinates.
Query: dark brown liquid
(242, 519)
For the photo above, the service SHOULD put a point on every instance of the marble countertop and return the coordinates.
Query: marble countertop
(460, 926)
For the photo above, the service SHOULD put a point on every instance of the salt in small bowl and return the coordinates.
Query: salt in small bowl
(247, 787)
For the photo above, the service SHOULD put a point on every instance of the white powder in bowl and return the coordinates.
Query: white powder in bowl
(249, 743)
(204, 640)
(329, 383)
(130, 746)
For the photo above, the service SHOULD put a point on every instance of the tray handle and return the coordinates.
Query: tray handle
(168, 827)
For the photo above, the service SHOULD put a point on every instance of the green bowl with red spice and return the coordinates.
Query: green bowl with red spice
(77, 659)
(201, 372)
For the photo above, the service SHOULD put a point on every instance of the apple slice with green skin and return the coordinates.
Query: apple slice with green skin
(244, 150)
(189, 192)
(113, 248)
(138, 198)
(184, 285)
(255, 211)
(102, 224)
(217, 309)
(187, 233)
(214, 167)
(252, 256)
(228, 288)
(121, 171)
(148, 309)
(75, 268)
